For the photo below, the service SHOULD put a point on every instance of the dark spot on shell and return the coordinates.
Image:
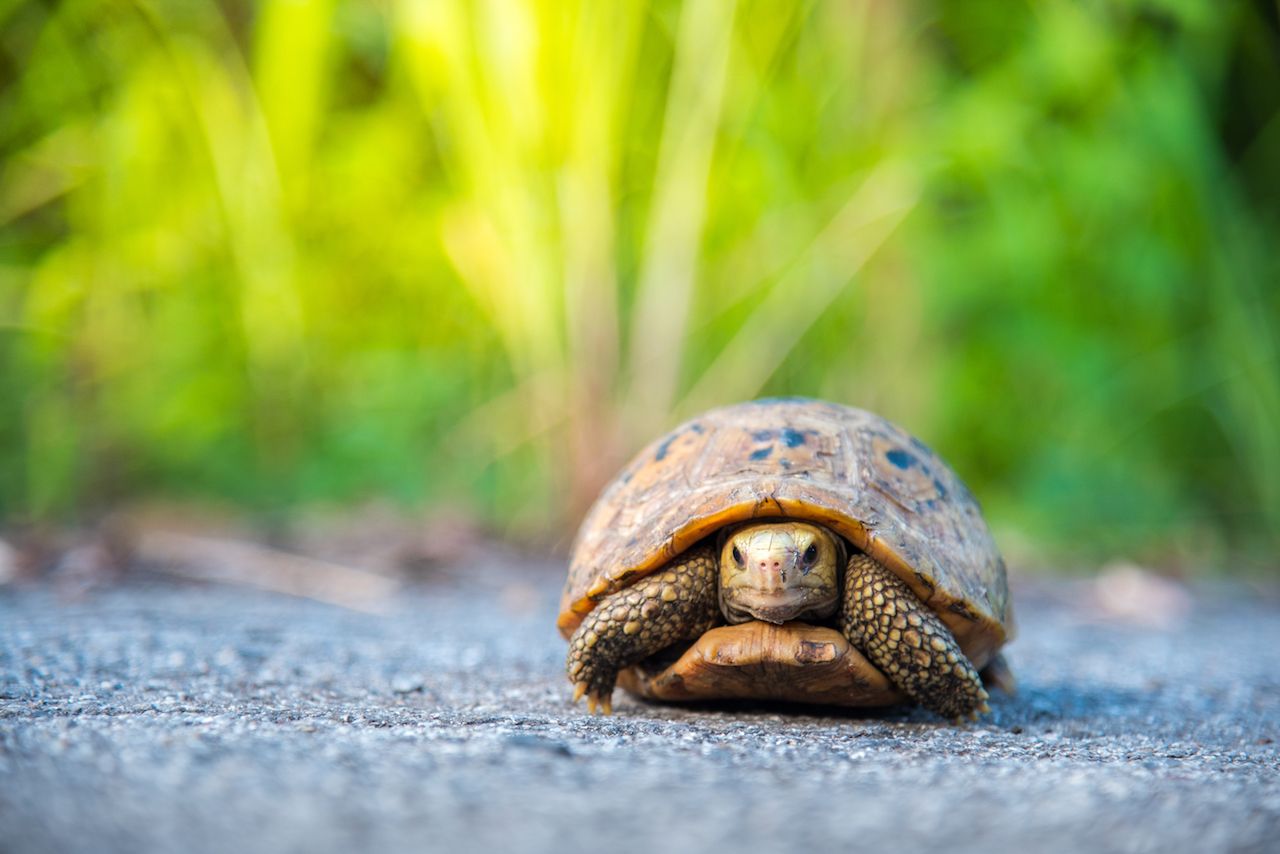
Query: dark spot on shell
(941, 490)
(762, 435)
(697, 428)
(900, 458)
(786, 463)
(813, 652)
(626, 477)
(664, 447)
(762, 453)
(792, 438)
(963, 610)
(924, 581)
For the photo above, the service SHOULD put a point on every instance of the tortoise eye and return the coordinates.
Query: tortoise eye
(811, 553)
(737, 556)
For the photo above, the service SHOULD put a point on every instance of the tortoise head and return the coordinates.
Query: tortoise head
(778, 571)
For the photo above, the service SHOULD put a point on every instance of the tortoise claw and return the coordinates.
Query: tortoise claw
(973, 716)
(601, 702)
(595, 699)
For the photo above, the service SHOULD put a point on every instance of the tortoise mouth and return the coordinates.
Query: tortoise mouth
(777, 607)
(794, 661)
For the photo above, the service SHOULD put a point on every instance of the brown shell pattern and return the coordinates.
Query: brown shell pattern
(857, 473)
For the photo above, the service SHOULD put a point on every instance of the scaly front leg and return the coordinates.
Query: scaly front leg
(673, 604)
(900, 635)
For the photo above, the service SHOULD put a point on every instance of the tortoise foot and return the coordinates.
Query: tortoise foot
(673, 604)
(906, 640)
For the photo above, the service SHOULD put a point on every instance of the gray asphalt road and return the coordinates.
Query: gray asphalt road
(161, 717)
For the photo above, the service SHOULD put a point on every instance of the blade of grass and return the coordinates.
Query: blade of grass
(677, 218)
(799, 297)
(601, 59)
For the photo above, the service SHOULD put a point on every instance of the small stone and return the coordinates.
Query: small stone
(407, 685)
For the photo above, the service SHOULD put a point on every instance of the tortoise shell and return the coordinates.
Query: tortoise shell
(862, 476)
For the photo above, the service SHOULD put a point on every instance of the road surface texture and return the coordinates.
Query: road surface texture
(154, 715)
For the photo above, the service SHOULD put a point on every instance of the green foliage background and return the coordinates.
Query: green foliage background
(473, 254)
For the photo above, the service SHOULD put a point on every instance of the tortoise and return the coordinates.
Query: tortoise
(787, 549)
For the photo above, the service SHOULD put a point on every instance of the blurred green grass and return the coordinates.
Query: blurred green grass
(288, 253)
